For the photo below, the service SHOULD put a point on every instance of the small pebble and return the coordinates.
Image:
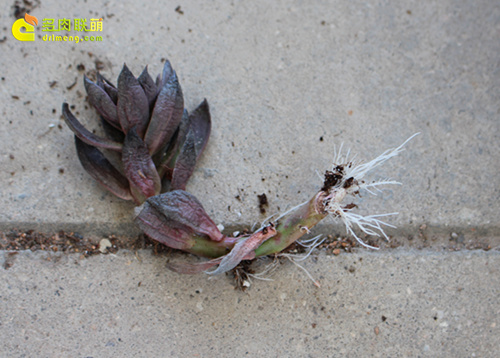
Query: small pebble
(103, 245)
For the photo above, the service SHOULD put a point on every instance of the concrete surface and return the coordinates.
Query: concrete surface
(407, 304)
(287, 82)
(278, 78)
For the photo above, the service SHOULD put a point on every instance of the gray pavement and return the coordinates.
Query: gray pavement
(407, 304)
(287, 82)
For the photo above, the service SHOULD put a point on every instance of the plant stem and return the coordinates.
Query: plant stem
(293, 225)
(289, 227)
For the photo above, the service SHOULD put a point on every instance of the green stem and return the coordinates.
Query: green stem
(292, 226)
(289, 228)
(208, 248)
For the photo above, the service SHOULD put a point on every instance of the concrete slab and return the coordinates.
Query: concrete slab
(402, 304)
(287, 83)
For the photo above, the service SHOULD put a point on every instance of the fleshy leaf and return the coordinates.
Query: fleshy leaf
(167, 114)
(165, 75)
(112, 132)
(190, 141)
(100, 99)
(148, 85)
(244, 250)
(101, 80)
(167, 162)
(200, 123)
(139, 167)
(85, 135)
(99, 168)
(132, 106)
(183, 210)
(183, 130)
(108, 87)
(154, 224)
(185, 163)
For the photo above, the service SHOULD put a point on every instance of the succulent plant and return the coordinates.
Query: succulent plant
(158, 142)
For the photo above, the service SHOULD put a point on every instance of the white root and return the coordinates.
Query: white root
(350, 184)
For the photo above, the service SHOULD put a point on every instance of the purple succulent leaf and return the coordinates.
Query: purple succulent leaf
(167, 115)
(190, 141)
(132, 106)
(183, 128)
(200, 124)
(167, 72)
(167, 161)
(112, 132)
(99, 168)
(139, 167)
(108, 87)
(148, 85)
(101, 80)
(243, 250)
(85, 135)
(180, 136)
(100, 99)
(153, 223)
(185, 163)
(182, 209)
